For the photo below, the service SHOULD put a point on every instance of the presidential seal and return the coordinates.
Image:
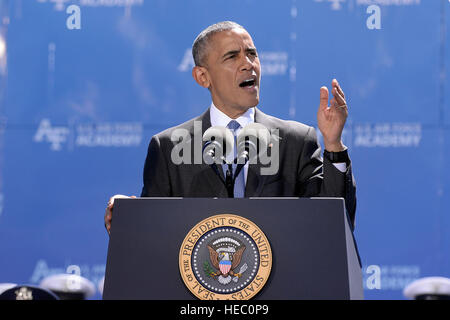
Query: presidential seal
(225, 257)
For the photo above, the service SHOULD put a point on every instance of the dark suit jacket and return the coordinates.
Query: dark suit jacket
(302, 172)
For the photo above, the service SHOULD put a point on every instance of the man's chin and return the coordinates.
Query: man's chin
(253, 103)
(245, 107)
(250, 102)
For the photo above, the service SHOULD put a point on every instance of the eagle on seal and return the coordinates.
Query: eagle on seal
(225, 255)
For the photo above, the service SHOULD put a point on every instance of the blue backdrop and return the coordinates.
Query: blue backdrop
(85, 84)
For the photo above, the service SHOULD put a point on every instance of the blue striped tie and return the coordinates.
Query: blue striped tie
(239, 183)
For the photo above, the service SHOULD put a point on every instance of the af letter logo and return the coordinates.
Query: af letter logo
(56, 136)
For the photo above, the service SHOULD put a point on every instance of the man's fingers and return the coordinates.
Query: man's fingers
(110, 203)
(109, 209)
(336, 87)
(117, 196)
(339, 98)
(339, 89)
(333, 102)
(323, 98)
(108, 218)
(334, 82)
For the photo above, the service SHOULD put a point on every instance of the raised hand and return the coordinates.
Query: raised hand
(331, 118)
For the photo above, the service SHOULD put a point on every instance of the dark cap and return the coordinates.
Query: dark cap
(26, 292)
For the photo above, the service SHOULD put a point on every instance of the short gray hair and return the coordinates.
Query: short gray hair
(202, 40)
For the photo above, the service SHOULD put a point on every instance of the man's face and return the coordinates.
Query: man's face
(233, 71)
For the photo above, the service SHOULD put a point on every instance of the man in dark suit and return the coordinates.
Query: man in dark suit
(227, 63)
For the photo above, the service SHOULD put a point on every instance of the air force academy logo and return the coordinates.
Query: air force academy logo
(225, 257)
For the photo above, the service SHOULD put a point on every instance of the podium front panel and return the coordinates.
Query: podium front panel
(314, 256)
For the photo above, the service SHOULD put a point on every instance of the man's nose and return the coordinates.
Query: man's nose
(247, 64)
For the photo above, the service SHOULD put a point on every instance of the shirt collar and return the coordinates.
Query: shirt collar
(218, 118)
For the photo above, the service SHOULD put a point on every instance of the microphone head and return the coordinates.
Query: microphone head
(253, 135)
(219, 143)
(212, 152)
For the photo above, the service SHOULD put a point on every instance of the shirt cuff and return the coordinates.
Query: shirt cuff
(341, 166)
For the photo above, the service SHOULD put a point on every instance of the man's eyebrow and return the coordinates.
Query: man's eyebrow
(232, 52)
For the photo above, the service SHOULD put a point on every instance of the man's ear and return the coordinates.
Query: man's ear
(201, 76)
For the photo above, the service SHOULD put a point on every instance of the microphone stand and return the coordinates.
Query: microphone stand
(229, 178)
(229, 181)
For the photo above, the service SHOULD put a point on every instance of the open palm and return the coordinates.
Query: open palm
(331, 118)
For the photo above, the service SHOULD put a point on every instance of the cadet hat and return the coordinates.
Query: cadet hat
(27, 292)
(69, 286)
(429, 288)
(6, 285)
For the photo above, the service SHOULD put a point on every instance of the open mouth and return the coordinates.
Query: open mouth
(247, 83)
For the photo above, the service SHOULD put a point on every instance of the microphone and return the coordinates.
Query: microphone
(254, 138)
(219, 143)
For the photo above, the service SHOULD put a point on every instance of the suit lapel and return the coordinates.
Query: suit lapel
(215, 184)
